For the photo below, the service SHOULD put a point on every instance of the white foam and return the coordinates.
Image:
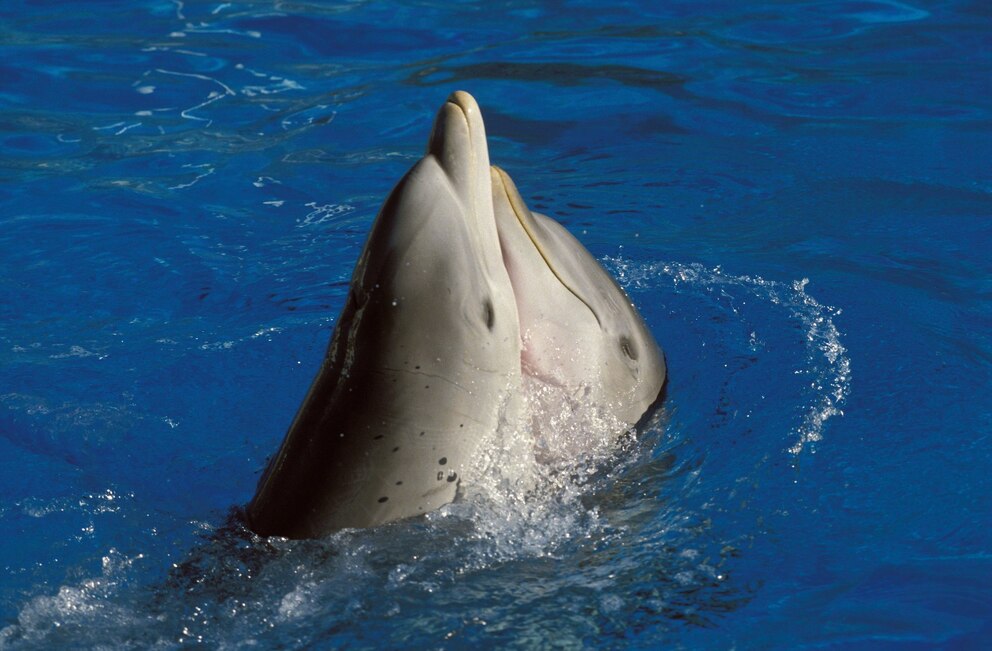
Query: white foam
(54, 620)
(322, 213)
(525, 499)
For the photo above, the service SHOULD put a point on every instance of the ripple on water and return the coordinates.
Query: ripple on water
(826, 368)
(631, 538)
(801, 23)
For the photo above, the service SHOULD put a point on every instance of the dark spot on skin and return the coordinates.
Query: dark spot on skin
(627, 346)
(383, 499)
(461, 424)
(453, 476)
(489, 314)
(427, 386)
(417, 367)
(421, 433)
(399, 483)
(396, 449)
(376, 438)
(443, 460)
(440, 475)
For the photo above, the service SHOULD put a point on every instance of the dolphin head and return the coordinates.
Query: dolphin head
(423, 361)
(459, 293)
(430, 284)
(579, 330)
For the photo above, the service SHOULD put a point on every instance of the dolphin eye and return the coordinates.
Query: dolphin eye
(489, 314)
(627, 346)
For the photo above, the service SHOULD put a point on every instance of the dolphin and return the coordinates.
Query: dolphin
(461, 300)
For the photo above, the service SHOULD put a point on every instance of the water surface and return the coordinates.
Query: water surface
(795, 194)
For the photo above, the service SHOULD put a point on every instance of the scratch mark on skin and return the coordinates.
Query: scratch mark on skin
(385, 370)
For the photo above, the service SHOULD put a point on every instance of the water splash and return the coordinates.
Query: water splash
(515, 537)
(56, 620)
(828, 368)
(319, 214)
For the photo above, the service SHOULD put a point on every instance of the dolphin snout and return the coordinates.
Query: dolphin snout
(451, 138)
(458, 143)
(465, 102)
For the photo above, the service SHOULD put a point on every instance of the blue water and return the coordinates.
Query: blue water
(797, 195)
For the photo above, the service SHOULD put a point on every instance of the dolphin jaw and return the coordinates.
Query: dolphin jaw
(525, 219)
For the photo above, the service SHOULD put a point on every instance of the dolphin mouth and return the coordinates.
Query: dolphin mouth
(526, 221)
(462, 100)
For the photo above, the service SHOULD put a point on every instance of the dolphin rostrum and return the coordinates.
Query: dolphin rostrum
(461, 300)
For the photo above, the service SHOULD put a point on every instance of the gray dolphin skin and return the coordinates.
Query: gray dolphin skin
(460, 299)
